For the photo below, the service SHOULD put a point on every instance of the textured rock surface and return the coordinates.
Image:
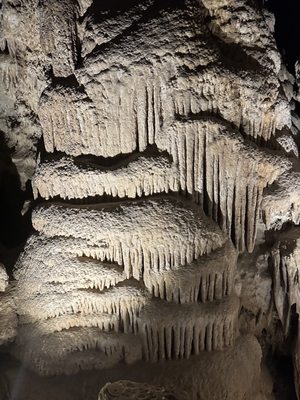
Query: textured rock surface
(140, 176)
(281, 201)
(127, 390)
(101, 247)
(3, 278)
(8, 316)
(164, 133)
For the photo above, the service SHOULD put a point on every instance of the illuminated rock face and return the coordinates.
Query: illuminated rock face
(166, 135)
(115, 259)
(3, 278)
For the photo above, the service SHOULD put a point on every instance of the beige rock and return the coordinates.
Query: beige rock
(285, 260)
(280, 203)
(127, 390)
(181, 101)
(159, 233)
(58, 34)
(145, 175)
(8, 318)
(227, 173)
(238, 22)
(3, 278)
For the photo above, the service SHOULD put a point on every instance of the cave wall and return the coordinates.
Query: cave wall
(153, 147)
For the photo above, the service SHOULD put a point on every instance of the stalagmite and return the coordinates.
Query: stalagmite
(285, 257)
(145, 175)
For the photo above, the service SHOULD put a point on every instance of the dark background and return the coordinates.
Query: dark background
(287, 29)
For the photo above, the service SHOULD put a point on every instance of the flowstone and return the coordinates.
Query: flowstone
(168, 150)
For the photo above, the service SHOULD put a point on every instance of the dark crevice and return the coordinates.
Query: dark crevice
(14, 227)
(287, 29)
(69, 81)
(107, 201)
(104, 163)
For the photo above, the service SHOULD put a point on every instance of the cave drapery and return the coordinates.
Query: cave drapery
(150, 204)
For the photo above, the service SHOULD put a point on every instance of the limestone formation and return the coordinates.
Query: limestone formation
(100, 28)
(154, 234)
(281, 201)
(227, 173)
(72, 350)
(285, 256)
(236, 22)
(160, 138)
(158, 238)
(145, 175)
(58, 34)
(8, 318)
(126, 390)
(171, 332)
(3, 278)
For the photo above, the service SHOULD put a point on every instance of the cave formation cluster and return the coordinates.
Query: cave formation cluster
(159, 140)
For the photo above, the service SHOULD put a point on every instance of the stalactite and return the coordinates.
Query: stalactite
(230, 187)
(170, 331)
(147, 279)
(151, 94)
(70, 123)
(215, 88)
(209, 278)
(141, 176)
(40, 266)
(285, 257)
(29, 327)
(120, 300)
(157, 234)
